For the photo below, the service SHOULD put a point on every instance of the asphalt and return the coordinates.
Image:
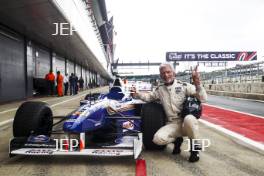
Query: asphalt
(223, 157)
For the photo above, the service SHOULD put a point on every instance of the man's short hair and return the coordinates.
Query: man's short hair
(164, 64)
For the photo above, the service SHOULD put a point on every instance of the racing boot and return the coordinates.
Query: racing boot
(177, 146)
(194, 157)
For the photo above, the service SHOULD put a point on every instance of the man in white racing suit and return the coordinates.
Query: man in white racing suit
(172, 96)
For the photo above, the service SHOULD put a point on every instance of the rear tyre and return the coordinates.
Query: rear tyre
(33, 118)
(153, 118)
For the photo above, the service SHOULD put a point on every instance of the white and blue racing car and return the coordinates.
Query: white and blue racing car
(112, 124)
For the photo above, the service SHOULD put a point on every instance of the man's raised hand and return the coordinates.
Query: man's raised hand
(196, 76)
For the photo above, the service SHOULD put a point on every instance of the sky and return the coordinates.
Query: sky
(147, 29)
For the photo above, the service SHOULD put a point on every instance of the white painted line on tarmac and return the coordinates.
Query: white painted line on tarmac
(67, 100)
(9, 110)
(11, 120)
(234, 110)
(242, 140)
(6, 122)
(14, 109)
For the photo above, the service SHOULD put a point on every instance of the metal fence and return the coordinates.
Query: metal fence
(238, 74)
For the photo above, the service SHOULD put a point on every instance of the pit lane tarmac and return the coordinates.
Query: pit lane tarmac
(223, 157)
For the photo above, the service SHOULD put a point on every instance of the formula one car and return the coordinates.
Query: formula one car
(111, 124)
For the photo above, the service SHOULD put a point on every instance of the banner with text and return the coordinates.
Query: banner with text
(211, 56)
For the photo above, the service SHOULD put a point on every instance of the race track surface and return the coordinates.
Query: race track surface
(223, 157)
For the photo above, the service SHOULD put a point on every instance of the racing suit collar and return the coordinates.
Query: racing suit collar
(169, 84)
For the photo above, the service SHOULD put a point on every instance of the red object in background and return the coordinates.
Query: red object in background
(141, 167)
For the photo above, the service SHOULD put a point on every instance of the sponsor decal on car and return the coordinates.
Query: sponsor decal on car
(40, 145)
(128, 125)
(112, 152)
(39, 138)
(40, 151)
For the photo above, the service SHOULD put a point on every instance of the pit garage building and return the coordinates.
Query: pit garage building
(29, 47)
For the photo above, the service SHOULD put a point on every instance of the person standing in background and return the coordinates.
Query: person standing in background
(59, 84)
(76, 84)
(72, 84)
(66, 84)
(50, 78)
(81, 82)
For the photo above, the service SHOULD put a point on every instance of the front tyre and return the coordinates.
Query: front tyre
(33, 118)
(153, 118)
